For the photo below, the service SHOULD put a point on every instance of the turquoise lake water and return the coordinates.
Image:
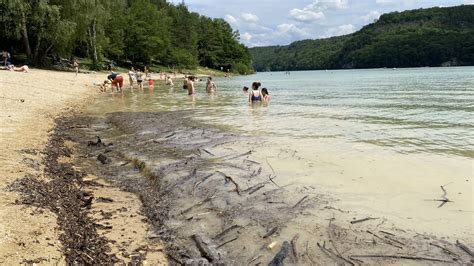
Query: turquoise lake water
(424, 110)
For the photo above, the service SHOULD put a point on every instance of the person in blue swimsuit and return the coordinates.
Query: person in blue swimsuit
(255, 95)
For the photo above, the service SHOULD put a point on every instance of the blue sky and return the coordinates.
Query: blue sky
(271, 22)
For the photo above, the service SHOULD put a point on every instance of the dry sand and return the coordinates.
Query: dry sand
(29, 102)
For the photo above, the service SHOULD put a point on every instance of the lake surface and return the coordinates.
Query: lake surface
(381, 141)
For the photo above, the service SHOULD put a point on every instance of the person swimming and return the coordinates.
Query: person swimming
(255, 95)
(245, 90)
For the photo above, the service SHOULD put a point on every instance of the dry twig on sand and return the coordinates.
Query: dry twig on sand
(398, 257)
(363, 220)
(229, 178)
(206, 252)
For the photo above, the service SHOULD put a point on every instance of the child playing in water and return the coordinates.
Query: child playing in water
(265, 95)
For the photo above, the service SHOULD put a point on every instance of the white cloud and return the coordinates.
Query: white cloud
(469, 2)
(371, 16)
(338, 31)
(291, 29)
(328, 4)
(306, 15)
(231, 19)
(395, 2)
(249, 17)
(246, 37)
(314, 11)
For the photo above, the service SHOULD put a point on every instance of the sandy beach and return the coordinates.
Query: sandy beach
(29, 103)
(181, 187)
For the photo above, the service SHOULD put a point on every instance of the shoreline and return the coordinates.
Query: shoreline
(31, 103)
(109, 198)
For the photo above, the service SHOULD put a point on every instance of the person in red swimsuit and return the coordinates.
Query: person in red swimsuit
(117, 81)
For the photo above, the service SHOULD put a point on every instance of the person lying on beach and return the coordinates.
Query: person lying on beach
(255, 95)
(23, 68)
(265, 95)
(117, 81)
(211, 86)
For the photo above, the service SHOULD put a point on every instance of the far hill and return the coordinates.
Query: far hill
(416, 38)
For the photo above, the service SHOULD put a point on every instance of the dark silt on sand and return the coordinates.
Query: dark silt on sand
(209, 200)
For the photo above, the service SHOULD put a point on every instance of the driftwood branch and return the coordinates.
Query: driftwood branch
(333, 243)
(254, 259)
(464, 248)
(271, 232)
(228, 241)
(300, 201)
(254, 188)
(363, 220)
(293, 246)
(281, 255)
(225, 231)
(384, 240)
(444, 199)
(206, 252)
(199, 203)
(333, 255)
(228, 178)
(271, 180)
(399, 257)
(445, 250)
(271, 167)
(199, 182)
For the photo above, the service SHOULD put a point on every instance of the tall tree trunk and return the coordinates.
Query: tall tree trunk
(37, 48)
(24, 32)
(95, 59)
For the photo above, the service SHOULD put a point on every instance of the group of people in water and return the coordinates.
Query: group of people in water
(115, 80)
(256, 95)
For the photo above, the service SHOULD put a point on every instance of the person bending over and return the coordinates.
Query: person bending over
(117, 81)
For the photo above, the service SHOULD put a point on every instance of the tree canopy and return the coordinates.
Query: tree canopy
(139, 32)
(415, 38)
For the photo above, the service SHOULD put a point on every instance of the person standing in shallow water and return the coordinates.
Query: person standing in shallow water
(255, 95)
(211, 86)
(190, 85)
(265, 95)
(131, 77)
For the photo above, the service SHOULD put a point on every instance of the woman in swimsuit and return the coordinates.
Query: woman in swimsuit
(255, 95)
(139, 76)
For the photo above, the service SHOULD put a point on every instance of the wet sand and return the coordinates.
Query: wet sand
(198, 182)
(30, 232)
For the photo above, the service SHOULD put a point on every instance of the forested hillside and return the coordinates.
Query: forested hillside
(415, 38)
(137, 32)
